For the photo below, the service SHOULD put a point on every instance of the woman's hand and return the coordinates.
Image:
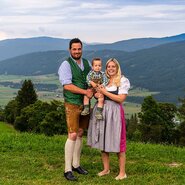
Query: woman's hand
(98, 95)
(101, 89)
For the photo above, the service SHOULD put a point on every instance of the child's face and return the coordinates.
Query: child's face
(97, 65)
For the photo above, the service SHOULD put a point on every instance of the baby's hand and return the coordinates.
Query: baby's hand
(93, 84)
(101, 89)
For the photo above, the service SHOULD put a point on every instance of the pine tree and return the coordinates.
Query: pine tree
(26, 95)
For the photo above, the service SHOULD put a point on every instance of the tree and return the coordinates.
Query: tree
(149, 120)
(10, 111)
(26, 95)
(1, 114)
(167, 113)
(31, 116)
(42, 117)
(181, 127)
(132, 127)
(181, 109)
(156, 120)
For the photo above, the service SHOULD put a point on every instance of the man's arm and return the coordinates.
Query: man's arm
(74, 89)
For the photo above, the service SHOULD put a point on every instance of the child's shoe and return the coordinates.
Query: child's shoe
(98, 115)
(85, 111)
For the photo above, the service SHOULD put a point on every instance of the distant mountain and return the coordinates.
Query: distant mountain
(15, 47)
(136, 44)
(160, 68)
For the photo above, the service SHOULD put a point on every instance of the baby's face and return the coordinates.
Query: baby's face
(97, 65)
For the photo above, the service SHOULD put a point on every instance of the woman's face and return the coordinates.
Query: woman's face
(111, 69)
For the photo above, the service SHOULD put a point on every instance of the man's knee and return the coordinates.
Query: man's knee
(72, 136)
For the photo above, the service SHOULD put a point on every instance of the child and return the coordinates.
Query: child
(94, 78)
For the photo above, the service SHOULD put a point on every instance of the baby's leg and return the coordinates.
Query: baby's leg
(99, 109)
(86, 107)
(100, 100)
(86, 100)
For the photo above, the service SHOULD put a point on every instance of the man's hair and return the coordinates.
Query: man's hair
(97, 58)
(75, 40)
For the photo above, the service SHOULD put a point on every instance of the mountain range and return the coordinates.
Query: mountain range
(160, 68)
(10, 48)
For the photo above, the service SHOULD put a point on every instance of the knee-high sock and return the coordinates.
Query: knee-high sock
(77, 152)
(69, 149)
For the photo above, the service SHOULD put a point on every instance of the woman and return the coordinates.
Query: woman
(109, 134)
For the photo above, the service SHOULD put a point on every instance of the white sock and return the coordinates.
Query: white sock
(69, 149)
(77, 152)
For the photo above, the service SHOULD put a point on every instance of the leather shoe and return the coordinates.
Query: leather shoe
(69, 176)
(80, 170)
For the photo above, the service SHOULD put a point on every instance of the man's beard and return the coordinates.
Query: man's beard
(76, 58)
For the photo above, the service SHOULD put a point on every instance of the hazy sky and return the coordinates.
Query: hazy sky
(91, 20)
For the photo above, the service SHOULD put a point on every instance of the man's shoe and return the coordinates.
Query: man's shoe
(80, 170)
(69, 176)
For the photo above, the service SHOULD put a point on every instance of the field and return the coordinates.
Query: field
(28, 159)
(7, 93)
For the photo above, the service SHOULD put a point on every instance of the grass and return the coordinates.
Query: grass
(131, 108)
(30, 159)
(141, 92)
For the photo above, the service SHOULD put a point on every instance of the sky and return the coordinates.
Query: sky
(93, 21)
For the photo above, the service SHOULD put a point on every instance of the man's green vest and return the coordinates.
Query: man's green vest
(78, 79)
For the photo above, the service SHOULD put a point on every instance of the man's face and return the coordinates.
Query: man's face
(76, 51)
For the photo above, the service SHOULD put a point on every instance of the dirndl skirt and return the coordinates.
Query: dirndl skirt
(109, 134)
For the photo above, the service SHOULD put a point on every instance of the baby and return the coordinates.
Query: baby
(94, 78)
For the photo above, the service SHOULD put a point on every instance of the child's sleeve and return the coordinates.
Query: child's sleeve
(89, 78)
(105, 79)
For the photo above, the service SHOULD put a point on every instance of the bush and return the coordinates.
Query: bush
(42, 117)
(53, 123)
(10, 112)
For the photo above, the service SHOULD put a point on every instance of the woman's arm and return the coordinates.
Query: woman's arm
(120, 98)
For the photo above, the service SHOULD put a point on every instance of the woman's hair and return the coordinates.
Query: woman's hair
(117, 79)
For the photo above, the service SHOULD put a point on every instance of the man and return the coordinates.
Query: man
(72, 75)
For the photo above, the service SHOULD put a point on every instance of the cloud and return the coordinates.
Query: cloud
(91, 20)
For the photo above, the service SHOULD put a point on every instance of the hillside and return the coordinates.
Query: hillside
(36, 159)
(14, 47)
(160, 69)
(10, 48)
(136, 44)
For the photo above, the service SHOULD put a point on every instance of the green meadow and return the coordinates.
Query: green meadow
(8, 93)
(31, 159)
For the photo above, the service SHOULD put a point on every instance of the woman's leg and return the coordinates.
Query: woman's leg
(106, 167)
(122, 161)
